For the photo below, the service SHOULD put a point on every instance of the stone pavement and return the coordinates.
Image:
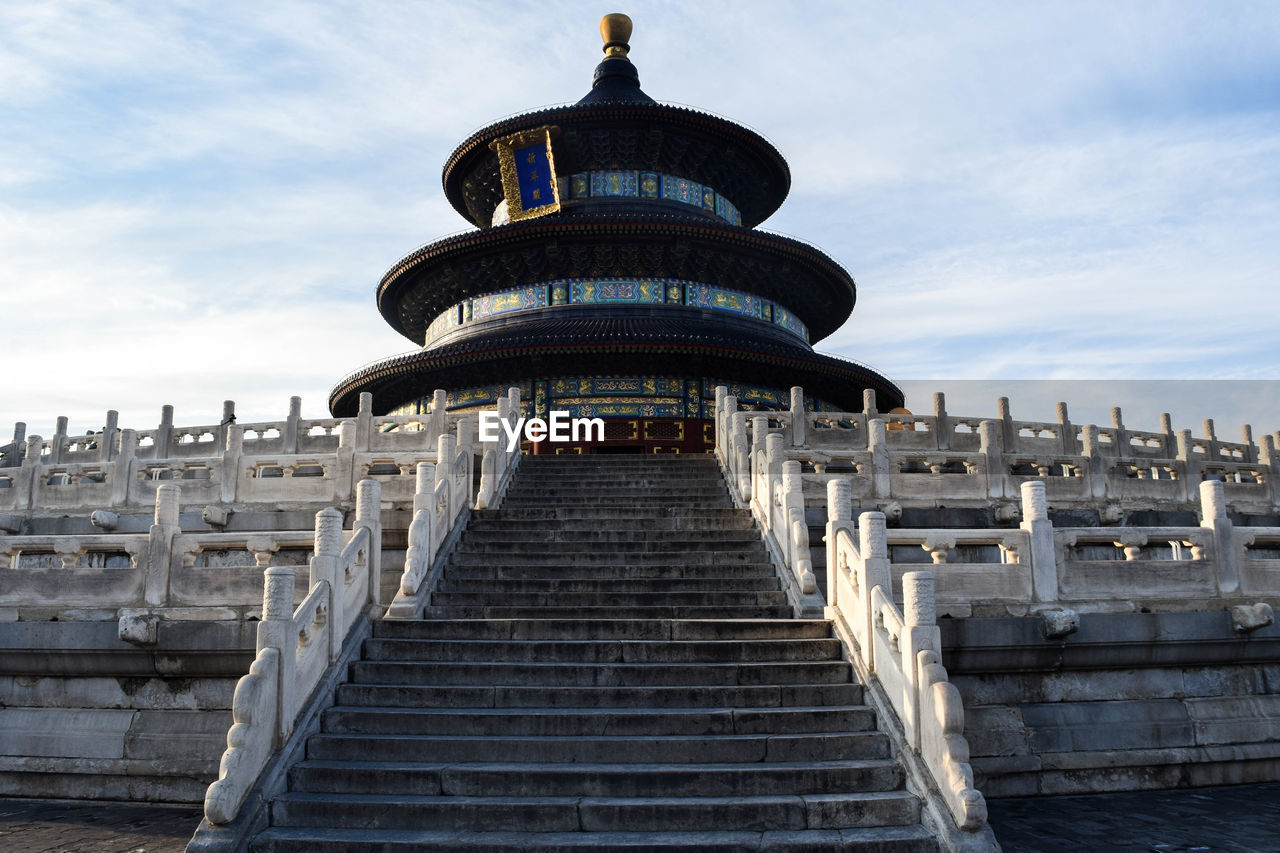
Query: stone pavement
(1235, 819)
(60, 826)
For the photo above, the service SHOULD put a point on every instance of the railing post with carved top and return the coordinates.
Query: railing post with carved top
(29, 475)
(991, 446)
(740, 454)
(275, 631)
(839, 517)
(1213, 517)
(110, 432)
(122, 473)
(447, 446)
(232, 456)
(873, 547)
(59, 443)
(369, 516)
(364, 422)
(1035, 521)
(797, 416)
(291, 425)
(324, 567)
(878, 444)
(1269, 467)
(920, 633)
(160, 544)
(941, 421)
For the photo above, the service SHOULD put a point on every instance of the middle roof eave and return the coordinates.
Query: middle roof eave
(800, 277)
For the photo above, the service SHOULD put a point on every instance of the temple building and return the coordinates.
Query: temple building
(617, 273)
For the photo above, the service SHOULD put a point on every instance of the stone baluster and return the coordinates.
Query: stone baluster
(798, 414)
(991, 447)
(1192, 464)
(1066, 431)
(122, 473)
(1166, 427)
(164, 434)
(1211, 439)
(291, 424)
(110, 436)
(14, 451)
(941, 421)
(1035, 521)
(1095, 465)
(447, 448)
(878, 444)
(325, 568)
(1246, 437)
(1009, 432)
(275, 631)
(1268, 463)
(59, 444)
(439, 421)
(164, 528)
(369, 515)
(839, 517)
(345, 459)
(722, 415)
(869, 410)
(873, 548)
(364, 422)
(228, 418)
(1121, 445)
(1213, 517)
(232, 463)
(920, 633)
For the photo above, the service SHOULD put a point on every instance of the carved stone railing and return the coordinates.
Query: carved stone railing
(978, 460)
(442, 502)
(143, 573)
(297, 645)
(293, 460)
(896, 653)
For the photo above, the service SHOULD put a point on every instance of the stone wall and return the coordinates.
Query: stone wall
(1128, 702)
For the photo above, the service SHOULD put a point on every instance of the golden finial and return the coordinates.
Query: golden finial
(615, 29)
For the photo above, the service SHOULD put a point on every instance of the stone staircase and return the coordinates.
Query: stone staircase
(608, 664)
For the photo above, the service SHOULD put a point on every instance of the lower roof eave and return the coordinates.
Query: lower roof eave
(402, 378)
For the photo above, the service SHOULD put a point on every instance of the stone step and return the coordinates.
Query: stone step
(780, 611)
(582, 722)
(678, 697)
(883, 839)
(647, 527)
(759, 569)
(759, 582)
(601, 651)
(613, 498)
(666, 558)
(668, 749)
(602, 629)
(584, 493)
(639, 540)
(621, 479)
(508, 779)
(599, 675)
(605, 515)
(565, 462)
(888, 839)
(597, 814)
(595, 599)
(746, 542)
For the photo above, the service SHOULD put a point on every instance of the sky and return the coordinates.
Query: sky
(197, 200)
